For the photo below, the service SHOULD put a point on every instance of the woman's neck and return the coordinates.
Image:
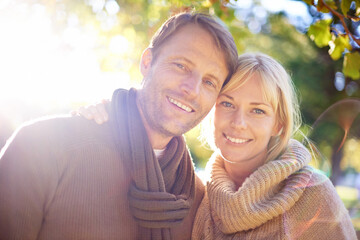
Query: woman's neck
(237, 176)
(240, 171)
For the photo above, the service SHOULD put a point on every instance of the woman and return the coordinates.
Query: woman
(252, 192)
(260, 184)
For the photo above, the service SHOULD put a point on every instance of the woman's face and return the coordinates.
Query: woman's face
(244, 123)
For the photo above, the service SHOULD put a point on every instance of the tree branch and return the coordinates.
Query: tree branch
(342, 19)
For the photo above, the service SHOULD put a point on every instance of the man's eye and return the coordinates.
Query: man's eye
(180, 66)
(210, 83)
(226, 104)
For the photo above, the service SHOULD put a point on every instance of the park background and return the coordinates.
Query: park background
(58, 55)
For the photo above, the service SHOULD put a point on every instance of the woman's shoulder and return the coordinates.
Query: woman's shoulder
(320, 194)
(318, 179)
(320, 210)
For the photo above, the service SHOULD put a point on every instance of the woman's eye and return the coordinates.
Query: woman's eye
(226, 104)
(259, 111)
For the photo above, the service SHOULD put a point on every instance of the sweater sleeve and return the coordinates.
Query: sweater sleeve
(319, 213)
(27, 182)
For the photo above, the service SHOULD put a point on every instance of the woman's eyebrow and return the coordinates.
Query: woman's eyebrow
(225, 95)
(261, 103)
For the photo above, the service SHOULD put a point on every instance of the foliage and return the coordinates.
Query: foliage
(352, 65)
(319, 32)
(336, 27)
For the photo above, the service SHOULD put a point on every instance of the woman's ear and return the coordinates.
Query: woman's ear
(278, 130)
(146, 59)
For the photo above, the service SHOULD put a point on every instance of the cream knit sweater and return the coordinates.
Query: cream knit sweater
(283, 199)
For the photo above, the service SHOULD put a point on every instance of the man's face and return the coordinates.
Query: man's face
(181, 85)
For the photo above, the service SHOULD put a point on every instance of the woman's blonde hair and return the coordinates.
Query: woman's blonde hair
(278, 90)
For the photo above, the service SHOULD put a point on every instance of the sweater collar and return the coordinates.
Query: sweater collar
(267, 193)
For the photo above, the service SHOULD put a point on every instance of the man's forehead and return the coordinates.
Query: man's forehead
(191, 31)
(195, 44)
(193, 38)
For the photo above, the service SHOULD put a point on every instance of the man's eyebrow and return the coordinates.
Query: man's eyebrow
(182, 59)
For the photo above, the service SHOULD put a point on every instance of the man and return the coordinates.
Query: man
(131, 178)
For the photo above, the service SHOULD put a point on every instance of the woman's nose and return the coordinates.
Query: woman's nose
(239, 120)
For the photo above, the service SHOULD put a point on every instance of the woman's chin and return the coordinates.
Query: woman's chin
(231, 158)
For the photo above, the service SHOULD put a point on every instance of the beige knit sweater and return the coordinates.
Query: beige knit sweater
(283, 199)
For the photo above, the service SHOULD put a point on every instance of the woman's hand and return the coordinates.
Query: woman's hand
(95, 112)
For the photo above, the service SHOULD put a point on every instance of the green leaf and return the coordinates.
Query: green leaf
(338, 46)
(331, 3)
(345, 6)
(320, 32)
(351, 67)
(321, 7)
(310, 2)
(357, 3)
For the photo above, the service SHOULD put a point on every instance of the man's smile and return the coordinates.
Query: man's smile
(180, 105)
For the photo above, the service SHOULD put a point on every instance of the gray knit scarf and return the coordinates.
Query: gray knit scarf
(162, 190)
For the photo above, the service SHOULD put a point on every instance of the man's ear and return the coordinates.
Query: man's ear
(146, 59)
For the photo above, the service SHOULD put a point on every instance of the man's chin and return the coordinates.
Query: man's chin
(177, 130)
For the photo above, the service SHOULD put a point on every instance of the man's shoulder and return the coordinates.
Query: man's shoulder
(63, 129)
(57, 123)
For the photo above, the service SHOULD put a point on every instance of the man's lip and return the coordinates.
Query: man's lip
(237, 140)
(181, 105)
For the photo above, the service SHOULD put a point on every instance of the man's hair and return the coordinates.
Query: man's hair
(221, 36)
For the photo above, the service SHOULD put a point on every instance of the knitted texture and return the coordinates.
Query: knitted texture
(162, 190)
(278, 201)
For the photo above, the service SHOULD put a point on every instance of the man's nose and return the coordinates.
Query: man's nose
(191, 84)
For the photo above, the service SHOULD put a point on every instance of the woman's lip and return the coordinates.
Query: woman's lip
(237, 140)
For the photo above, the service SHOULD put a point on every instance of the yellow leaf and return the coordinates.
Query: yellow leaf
(320, 32)
(338, 46)
(351, 67)
(206, 4)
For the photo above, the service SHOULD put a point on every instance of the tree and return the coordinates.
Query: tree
(337, 26)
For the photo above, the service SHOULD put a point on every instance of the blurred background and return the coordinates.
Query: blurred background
(57, 55)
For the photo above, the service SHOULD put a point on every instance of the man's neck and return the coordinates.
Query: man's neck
(157, 140)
